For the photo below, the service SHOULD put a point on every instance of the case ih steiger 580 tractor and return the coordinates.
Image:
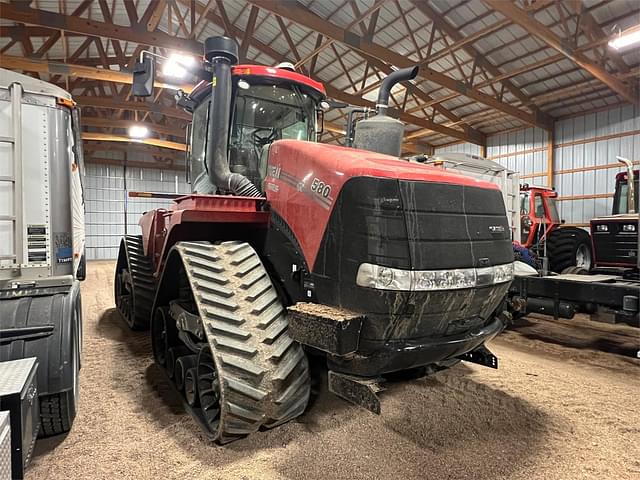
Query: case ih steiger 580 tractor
(290, 247)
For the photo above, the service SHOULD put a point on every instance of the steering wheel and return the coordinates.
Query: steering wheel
(263, 136)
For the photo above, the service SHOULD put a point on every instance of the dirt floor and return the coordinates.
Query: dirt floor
(561, 406)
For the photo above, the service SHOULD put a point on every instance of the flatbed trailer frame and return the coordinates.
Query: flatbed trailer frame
(615, 299)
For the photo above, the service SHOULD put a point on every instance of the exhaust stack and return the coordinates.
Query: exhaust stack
(222, 54)
(631, 197)
(383, 134)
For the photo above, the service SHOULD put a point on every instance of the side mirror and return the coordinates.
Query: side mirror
(144, 74)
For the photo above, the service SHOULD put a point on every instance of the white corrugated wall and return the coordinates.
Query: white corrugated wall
(104, 202)
(585, 165)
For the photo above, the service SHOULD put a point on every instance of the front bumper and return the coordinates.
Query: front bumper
(396, 356)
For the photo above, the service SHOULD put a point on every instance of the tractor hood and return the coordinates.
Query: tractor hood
(344, 163)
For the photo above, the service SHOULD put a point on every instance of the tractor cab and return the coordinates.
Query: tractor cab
(538, 213)
(615, 236)
(268, 104)
(621, 195)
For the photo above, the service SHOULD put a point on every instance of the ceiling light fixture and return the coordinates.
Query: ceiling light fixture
(138, 131)
(626, 38)
(177, 66)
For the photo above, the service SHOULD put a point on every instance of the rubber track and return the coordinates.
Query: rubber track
(144, 286)
(264, 373)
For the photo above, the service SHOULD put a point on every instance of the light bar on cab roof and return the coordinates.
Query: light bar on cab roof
(386, 278)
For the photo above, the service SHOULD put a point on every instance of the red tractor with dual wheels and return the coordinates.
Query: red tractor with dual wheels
(290, 248)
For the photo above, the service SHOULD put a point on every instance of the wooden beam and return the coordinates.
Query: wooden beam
(540, 31)
(156, 142)
(334, 92)
(452, 32)
(594, 31)
(156, 165)
(147, 107)
(85, 26)
(79, 71)
(304, 17)
(112, 123)
(248, 33)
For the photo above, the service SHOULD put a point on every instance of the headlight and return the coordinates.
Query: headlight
(602, 228)
(385, 278)
(630, 227)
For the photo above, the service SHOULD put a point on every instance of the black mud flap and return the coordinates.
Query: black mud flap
(357, 390)
(481, 356)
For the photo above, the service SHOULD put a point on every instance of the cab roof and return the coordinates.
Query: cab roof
(248, 71)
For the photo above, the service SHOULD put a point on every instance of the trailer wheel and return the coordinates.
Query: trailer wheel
(250, 373)
(57, 411)
(569, 247)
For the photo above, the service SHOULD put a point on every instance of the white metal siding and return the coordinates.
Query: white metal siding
(105, 196)
(604, 135)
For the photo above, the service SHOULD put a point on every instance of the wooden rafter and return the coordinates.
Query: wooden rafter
(455, 34)
(303, 17)
(540, 31)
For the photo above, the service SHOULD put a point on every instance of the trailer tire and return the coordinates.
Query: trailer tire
(58, 410)
(569, 247)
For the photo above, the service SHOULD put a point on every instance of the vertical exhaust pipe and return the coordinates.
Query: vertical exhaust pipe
(631, 186)
(389, 82)
(382, 133)
(222, 54)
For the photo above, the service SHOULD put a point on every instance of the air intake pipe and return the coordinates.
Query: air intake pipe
(222, 54)
(383, 134)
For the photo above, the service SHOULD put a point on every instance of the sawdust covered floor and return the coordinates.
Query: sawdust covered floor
(553, 410)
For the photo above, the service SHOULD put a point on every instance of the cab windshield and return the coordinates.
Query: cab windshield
(552, 206)
(265, 113)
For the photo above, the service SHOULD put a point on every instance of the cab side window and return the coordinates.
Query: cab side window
(538, 206)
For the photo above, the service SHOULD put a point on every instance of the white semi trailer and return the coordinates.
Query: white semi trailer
(42, 240)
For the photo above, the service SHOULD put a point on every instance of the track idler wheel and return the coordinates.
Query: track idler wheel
(208, 389)
(183, 364)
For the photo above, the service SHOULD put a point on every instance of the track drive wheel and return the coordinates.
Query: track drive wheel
(569, 247)
(134, 286)
(251, 374)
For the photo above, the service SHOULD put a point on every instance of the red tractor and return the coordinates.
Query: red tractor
(292, 248)
(543, 233)
(615, 236)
